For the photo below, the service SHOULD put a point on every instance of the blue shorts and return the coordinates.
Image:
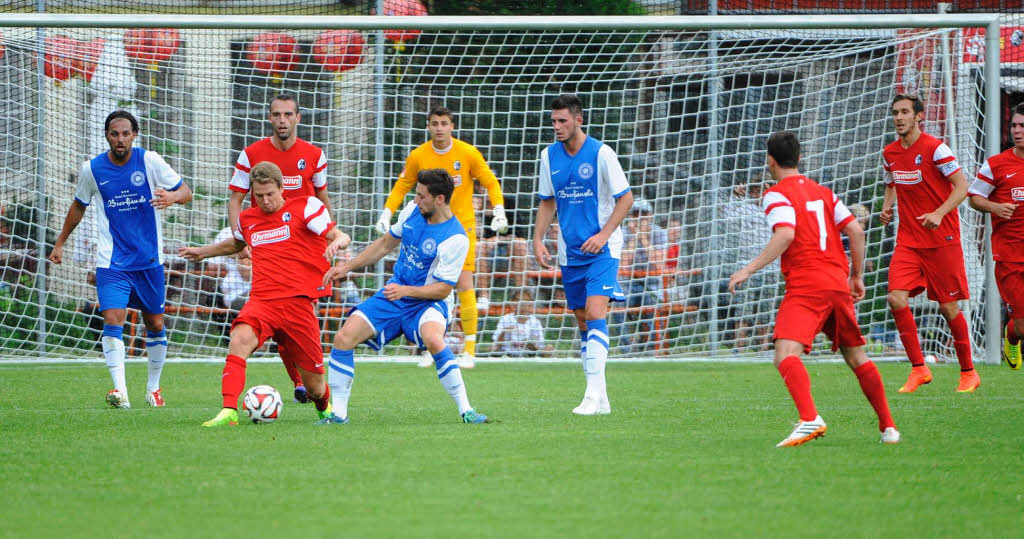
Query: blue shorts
(389, 319)
(139, 289)
(598, 278)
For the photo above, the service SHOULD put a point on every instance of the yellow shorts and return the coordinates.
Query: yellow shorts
(470, 264)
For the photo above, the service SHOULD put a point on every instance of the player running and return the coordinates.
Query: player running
(464, 163)
(806, 219)
(292, 241)
(999, 190)
(129, 184)
(304, 169)
(416, 301)
(922, 171)
(581, 180)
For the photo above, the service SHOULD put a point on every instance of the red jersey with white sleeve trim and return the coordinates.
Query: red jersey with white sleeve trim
(1001, 180)
(303, 167)
(920, 175)
(287, 249)
(815, 260)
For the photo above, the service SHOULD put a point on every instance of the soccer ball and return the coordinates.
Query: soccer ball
(262, 404)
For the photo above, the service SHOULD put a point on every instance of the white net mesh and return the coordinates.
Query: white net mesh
(687, 113)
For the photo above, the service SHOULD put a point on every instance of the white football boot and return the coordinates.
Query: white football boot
(890, 436)
(592, 405)
(117, 399)
(805, 431)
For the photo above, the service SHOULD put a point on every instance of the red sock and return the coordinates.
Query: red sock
(321, 403)
(1011, 333)
(233, 381)
(871, 385)
(799, 384)
(908, 334)
(293, 371)
(962, 342)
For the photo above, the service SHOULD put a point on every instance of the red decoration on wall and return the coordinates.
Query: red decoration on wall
(58, 57)
(339, 50)
(272, 53)
(86, 58)
(403, 8)
(151, 46)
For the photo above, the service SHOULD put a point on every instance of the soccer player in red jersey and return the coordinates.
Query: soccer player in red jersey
(921, 171)
(304, 169)
(292, 243)
(999, 190)
(806, 219)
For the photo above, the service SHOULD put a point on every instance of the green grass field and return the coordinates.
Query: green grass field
(688, 451)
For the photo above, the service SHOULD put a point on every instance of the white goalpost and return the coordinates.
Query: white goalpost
(686, 102)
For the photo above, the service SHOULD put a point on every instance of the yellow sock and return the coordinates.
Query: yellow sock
(467, 309)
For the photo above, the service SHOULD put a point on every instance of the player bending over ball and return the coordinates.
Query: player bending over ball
(292, 242)
(416, 301)
(304, 172)
(806, 219)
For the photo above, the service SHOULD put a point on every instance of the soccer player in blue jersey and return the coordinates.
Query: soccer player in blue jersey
(582, 181)
(129, 184)
(415, 302)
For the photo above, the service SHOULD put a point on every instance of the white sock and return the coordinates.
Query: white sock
(593, 364)
(450, 375)
(156, 353)
(113, 352)
(340, 375)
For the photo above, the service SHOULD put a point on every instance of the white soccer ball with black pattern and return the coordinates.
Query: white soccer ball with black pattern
(262, 404)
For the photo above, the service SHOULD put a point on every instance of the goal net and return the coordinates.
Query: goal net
(687, 112)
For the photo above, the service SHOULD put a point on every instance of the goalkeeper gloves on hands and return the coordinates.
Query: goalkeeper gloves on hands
(499, 223)
(384, 222)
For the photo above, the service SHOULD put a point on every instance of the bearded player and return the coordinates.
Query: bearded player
(806, 219)
(304, 170)
(464, 163)
(923, 177)
(999, 190)
(415, 302)
(292, 242)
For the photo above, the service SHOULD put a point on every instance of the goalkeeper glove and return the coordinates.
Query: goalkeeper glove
(499, 223)
(385, 221)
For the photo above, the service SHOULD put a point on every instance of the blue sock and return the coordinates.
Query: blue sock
(450, 375)
(110, 330)
(583, 344)
(340, 376)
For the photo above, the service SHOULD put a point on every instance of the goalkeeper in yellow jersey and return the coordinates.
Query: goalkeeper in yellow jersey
(465, 164)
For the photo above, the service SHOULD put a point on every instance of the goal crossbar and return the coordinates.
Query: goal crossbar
(722, 22)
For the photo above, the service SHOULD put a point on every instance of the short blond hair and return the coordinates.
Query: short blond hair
(266, 172)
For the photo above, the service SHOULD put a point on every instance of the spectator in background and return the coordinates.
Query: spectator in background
(643, 253)
(744, 234)
(521, 334)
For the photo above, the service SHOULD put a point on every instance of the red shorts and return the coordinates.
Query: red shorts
(940, 270)
(1010, 280)
(801, 317)
(293, 325)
